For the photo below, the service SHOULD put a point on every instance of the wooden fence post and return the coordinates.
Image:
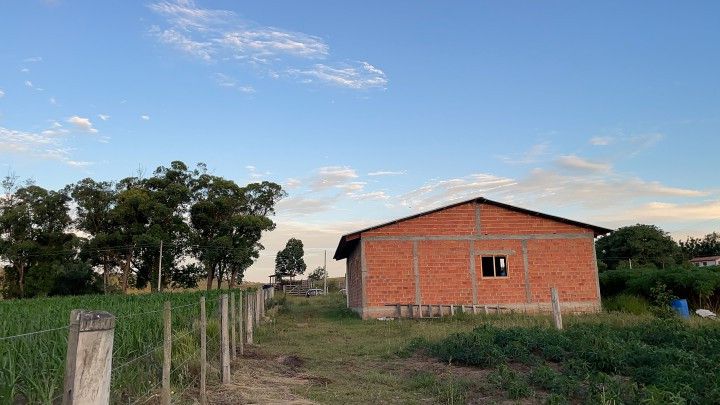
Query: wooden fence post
(452, 310)
(224, 340)
(167, 353)
(240, 321)
(203, 352)
(233, 335)
(89, 357)
(557, 315)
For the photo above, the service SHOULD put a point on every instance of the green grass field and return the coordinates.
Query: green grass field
(607, 358)
(31, 367)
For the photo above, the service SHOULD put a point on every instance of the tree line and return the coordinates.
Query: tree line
(648, 246)
(94, 236)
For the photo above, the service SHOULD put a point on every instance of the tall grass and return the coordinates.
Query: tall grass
(32, 367)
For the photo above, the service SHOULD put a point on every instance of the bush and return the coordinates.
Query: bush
(631, 304)
(653, 361)
(699, 285)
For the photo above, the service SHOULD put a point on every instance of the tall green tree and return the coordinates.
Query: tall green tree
(34, 238)
(709, 245)
(289, 262)
(641, 245)
(228, 222)
(95, 201)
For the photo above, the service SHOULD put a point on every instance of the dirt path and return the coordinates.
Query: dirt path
(261, 379)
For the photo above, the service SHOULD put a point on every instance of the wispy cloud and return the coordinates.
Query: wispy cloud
(45, 145)
(220, 36)
(601, 140)
(33, 59)
(2, 93)
(104, 117)
(82, 123)
(145, 117)
(574, 162)
(359, 76)
(332, 176)
(535, 154)
(224, 80)
(182, 42)
(387, 173)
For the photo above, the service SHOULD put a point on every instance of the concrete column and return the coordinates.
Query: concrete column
(89, 357)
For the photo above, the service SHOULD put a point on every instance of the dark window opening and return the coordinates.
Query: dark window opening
(494, 266)
(487, 266)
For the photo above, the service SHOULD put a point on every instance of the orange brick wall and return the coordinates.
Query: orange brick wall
(506, 290)
(397, 284)
(498, 220)
(444, 275)
(458, 220)
(444, 263)
(563, 263)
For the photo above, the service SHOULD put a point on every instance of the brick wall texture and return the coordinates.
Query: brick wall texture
(436, 259)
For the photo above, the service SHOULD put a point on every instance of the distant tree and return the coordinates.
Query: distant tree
(94, 203)
(644, 245)
(317, 274)
(709, 245)
(289, 262)
(187, 276)
(35, 238)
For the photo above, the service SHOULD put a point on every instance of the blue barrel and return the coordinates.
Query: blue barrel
(681, 307)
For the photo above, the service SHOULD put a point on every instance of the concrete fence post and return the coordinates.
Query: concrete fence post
(452, 309)
(224, 340)
(241, 334)
(557, 315)
(88, 363)
(233, 335)
(203, 352)
(167, 354)
(249, 319)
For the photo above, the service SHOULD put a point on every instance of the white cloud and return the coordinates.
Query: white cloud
(82, 123)
(601, 140)
(202, 50)
(332, 176)
(304, 205)
(536, 153)
(220, 36)
(47, 144)
(145, 117)
(33, 59)
(25, 70)
(28, 83)
(387, 173)
(185, 15)
(359, 77)
(292, 183)
(370, 196)
(352, 186)
(2, 93)
(265, 42)
(574, 162)
(104, 117)
(224, 80)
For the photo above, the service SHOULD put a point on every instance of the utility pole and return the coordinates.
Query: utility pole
(325, 271)
(160, 267)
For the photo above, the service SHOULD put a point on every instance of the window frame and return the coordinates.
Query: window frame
(494, 260)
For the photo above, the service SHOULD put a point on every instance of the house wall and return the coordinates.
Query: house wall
(354, 277)
(436, 259)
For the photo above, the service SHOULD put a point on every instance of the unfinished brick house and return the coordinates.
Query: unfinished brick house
(478, 252)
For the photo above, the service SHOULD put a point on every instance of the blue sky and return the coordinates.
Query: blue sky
(605, 112)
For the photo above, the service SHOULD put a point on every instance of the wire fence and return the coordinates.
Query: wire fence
(136, 374)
